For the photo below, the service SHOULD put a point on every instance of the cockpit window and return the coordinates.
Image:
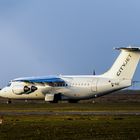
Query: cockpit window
(9, 85)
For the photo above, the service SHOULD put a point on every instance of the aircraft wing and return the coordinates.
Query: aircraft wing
(48, 80)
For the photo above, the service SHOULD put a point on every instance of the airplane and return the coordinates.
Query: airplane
(76, 87)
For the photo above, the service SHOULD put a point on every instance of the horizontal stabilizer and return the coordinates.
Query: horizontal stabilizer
(131, 49)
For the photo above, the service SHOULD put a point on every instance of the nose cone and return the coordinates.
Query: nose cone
(3, 93)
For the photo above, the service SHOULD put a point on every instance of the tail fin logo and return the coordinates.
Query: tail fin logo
(124, 65)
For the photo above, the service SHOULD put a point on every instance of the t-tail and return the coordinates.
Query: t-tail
(125, 65)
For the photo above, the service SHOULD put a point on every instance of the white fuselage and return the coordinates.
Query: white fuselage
(78, 87)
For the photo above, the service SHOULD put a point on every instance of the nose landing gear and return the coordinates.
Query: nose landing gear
(9, 101)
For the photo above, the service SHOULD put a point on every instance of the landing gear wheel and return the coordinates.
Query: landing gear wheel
(9, 101)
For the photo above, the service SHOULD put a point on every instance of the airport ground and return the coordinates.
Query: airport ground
(115, 116)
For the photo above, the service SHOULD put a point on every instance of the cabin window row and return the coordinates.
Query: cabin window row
(58, 84)
(80, 84)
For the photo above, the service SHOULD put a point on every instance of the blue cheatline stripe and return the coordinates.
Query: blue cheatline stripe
(40, 80)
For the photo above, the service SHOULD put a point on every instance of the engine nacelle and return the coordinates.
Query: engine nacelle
(21, 89)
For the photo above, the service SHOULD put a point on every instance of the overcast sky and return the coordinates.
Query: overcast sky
(48, 37)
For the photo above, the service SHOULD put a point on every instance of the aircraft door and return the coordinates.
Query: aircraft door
(94, 85)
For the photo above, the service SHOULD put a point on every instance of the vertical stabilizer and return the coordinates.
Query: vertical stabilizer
(125, 65)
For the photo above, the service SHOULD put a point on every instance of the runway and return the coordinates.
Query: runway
(96, 113)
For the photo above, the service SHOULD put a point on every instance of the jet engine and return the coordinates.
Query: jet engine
(21, 89)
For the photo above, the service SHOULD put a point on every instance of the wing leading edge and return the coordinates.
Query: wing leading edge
(40, 80)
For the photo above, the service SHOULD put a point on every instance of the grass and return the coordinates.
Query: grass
(72, 107)
(70, 127)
